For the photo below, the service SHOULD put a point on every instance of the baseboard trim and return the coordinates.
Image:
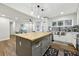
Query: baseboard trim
(4, 39)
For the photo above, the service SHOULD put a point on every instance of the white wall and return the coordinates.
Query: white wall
(17, 26)
(4, 29)
(43, 26)
(78, 16)
(27, 24)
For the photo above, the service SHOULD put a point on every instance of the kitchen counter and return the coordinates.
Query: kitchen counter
(33, 35)
(33, 44)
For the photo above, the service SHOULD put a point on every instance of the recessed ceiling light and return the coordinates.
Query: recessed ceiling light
(38, 16)
(32, 13)
(61, 13)
(3, 15)
(16, 18)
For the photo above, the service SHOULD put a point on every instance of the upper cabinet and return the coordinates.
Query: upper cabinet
(68, 22)
(54, 23)
(62, 23)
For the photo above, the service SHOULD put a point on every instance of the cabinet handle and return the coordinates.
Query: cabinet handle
(38, 45)
(20, 43)
(75, 38)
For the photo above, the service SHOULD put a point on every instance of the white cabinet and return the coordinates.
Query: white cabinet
(69, 38)
(68, 22)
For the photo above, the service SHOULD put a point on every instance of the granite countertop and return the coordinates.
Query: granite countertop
(34, 35)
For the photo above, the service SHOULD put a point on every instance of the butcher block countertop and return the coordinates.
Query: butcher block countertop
(33, 35)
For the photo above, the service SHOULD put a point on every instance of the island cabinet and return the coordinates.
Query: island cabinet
(36, 49)
(33, 46)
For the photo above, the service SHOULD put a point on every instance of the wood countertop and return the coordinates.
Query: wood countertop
(33, 35)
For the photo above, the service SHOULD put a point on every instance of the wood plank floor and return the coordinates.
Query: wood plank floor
(8, 47)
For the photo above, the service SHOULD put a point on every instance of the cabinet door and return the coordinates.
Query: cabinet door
(18, 46)
(45, 44)
(23, 47)
(48, 41)
(36, 49)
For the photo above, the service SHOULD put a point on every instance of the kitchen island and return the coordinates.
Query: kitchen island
(33, 44)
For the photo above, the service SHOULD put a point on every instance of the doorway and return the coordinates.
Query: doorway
(12, 28)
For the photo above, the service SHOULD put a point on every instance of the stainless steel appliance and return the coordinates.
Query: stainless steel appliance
(77, 42)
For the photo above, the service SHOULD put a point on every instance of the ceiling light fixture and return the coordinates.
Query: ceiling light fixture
(32, 13)
(37, 11)
(42, 9)
(30, 20)
(61, 13)
(16, 18)
(38, 16)
(3, 15)
(38, 6)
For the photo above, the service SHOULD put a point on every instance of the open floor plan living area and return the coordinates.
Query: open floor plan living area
(39, 29)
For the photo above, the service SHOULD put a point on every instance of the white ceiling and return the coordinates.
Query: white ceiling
(50, 9)
(12, 14)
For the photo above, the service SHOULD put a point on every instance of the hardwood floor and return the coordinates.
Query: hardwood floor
(8, 47)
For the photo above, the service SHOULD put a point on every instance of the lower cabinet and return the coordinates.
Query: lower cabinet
(23, 47)
(28, 48)
(39, 48)
(45, 44)
(36, 49)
